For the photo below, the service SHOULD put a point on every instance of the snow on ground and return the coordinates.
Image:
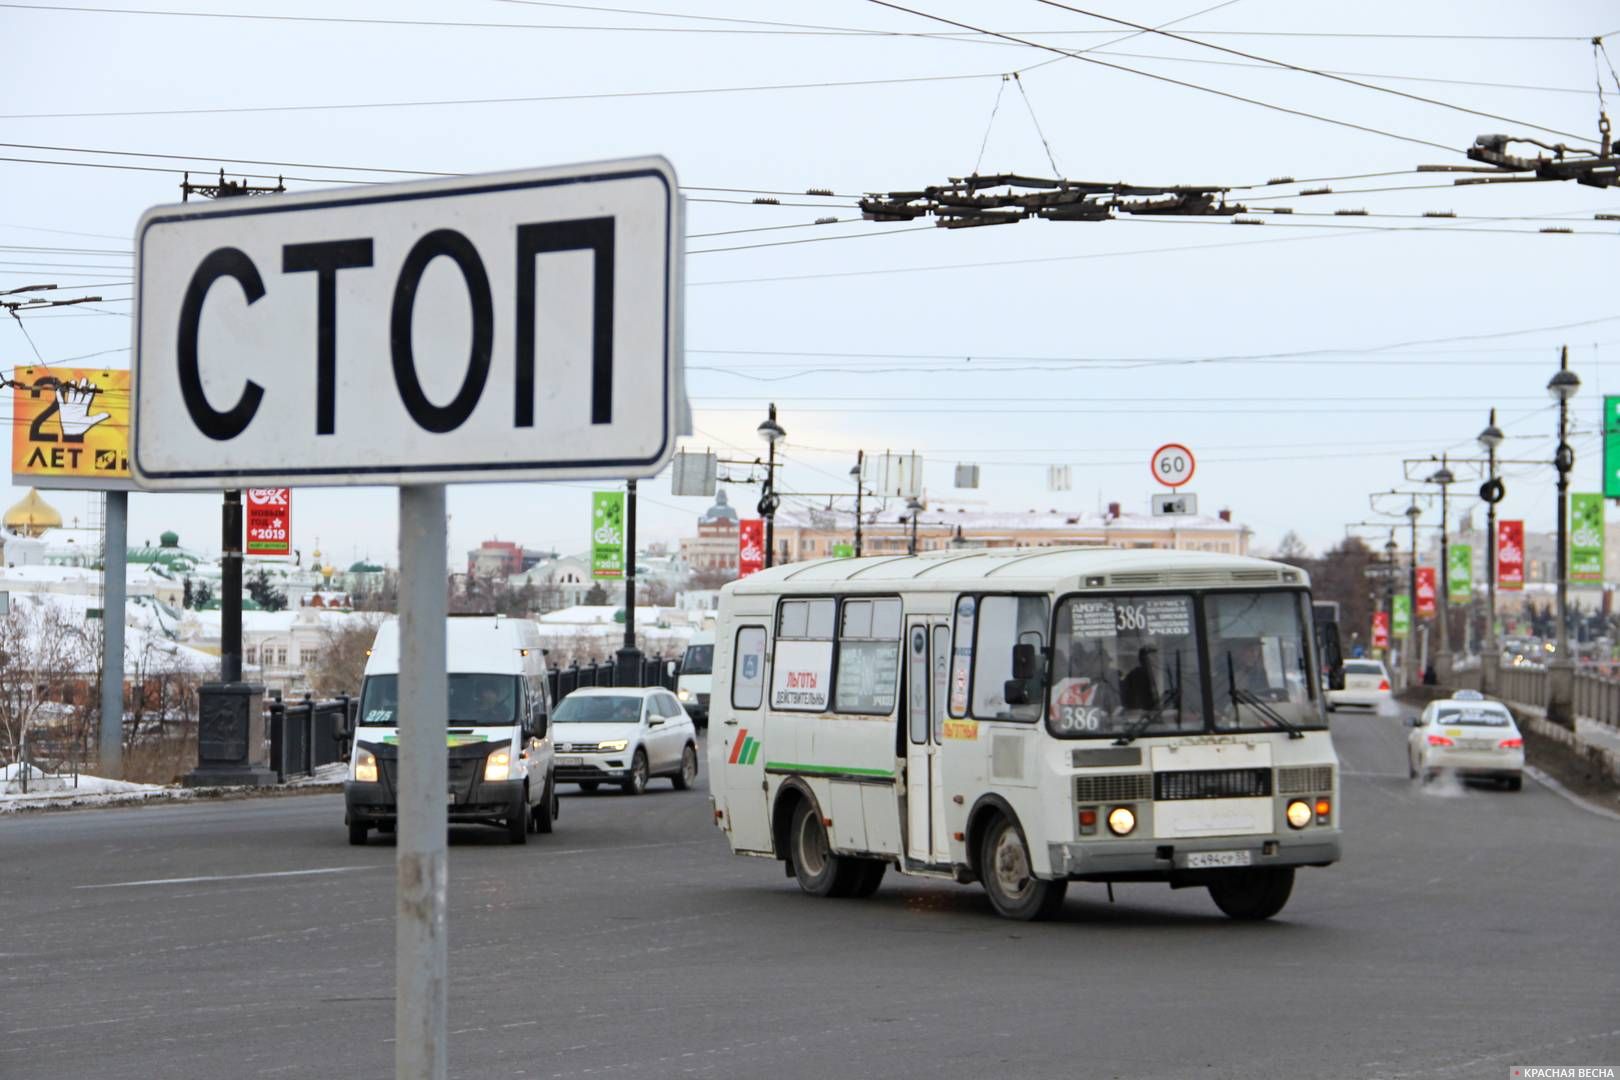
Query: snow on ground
(61, 789)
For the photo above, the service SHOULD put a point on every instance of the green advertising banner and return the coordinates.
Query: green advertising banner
(1460, 573)
(1586, 539)
(1611, 447)
(607, 534)
(1402, 612)
(843, 551)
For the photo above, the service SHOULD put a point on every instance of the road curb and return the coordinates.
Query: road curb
(125, 799)
(1559, 789)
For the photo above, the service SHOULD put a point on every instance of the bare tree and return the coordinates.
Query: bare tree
(341, 662)
(43, 655)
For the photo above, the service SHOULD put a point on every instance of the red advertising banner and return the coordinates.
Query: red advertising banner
(269, 521)
(750, 546)
(1380, 630)
(1510, 555)
(1425, 592)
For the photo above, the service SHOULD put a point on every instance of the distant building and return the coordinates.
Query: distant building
(714, 550)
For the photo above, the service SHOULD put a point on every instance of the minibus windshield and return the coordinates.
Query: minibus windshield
(1125, 664)
(476, 700)
(699, 660)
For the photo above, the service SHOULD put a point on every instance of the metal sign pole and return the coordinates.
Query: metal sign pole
(113, 585)
(419, 939)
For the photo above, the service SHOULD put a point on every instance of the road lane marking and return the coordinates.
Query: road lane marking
(228, 877)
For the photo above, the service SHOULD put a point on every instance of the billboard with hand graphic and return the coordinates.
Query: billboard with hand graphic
(70, 428)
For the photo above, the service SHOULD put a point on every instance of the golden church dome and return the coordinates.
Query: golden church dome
(32, 516)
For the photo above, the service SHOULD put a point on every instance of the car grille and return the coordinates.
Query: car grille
(1299, 779)
(1212, 784)
(1119, 787)
(703, 700)
(576, 748)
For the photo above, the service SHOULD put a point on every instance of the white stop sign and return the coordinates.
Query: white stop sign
(1172, 464)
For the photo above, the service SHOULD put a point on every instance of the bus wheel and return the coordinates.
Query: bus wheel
(820, 872)
(867, 877)
(1004, 867)
(1253, 894)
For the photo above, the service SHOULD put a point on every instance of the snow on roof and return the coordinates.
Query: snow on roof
(945, 515)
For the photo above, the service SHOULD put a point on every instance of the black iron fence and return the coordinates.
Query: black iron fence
(306, 734)
(655, 671)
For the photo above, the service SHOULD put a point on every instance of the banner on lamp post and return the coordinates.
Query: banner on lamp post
(1401, 612)
(1380, 630)
(1460, 573)
(607, 535)
(1510, 555)
(750, 546)
(1586, 539)
(269, 521)
(1427, 592)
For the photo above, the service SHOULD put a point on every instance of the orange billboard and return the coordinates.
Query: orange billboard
(70, 428)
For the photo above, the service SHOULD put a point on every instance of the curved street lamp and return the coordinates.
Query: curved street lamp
(1562, 387)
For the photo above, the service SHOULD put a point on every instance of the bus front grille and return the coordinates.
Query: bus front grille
(1118, 787)
(1300, 779)
(1212, 784)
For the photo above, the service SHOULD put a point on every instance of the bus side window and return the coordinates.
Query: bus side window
(748, 668)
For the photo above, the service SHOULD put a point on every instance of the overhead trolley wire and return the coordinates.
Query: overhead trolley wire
(1312, 71)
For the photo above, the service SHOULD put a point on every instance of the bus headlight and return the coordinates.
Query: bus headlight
(1121, 821)
(1299, 813)
(499, 765)
(365, 766)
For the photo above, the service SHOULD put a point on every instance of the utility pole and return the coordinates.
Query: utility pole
(1444, 478)
(1563, 386)
(859, 473)
(629, 673)
(1490, 658)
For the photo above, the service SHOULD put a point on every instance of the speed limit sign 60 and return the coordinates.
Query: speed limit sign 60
(1172, 464)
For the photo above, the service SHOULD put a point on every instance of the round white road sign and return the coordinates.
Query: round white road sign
(1172, 464)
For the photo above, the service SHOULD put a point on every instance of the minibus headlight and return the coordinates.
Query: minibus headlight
(1299, 813)
(499, 765)
(613, 746)
(365, 766)
(1121, 821)
(684, 694)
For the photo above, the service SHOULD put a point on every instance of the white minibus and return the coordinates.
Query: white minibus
(1026, 718)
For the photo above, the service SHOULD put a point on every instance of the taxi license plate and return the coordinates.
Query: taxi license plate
(1203, 860)
(570, 761)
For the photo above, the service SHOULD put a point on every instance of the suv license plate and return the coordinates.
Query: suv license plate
(1203, 860)
(570, 761)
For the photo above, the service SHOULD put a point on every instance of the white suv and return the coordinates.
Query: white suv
(625, 736)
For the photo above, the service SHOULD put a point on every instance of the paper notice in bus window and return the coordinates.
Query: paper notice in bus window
(1094, 619)
(801, 676)
(1168, 616)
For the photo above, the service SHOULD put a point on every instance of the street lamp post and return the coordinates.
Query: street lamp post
(860, 489)
(1563, 386)
(916, 508)
(1490, 655)
(1391, 550)
(772, 433)
(1409, 662)
(1444, 478)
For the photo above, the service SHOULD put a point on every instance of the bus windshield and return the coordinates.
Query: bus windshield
(1125, 664)
(699, 660)
(1132, 665)
(1258, 661)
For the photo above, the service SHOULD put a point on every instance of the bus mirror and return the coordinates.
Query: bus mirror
(1024, 664)
(669, 668)
(1016, 691)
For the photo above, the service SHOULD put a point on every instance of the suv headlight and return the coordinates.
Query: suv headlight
(499, 765)
(613, 747)
(365, 766)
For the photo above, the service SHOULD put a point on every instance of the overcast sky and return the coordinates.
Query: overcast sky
(1014, 347)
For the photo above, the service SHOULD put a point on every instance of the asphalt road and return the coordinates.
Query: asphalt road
(1466, 931)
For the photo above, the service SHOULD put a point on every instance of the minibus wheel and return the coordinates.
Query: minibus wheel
(357, 833)
(1253, 894)
(1009, 879)
(820, 872)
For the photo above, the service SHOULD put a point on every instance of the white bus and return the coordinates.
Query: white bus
(1026, 718)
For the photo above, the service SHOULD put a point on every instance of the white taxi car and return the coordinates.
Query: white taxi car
(625, 736)
(1366, 683)
(1466, 736)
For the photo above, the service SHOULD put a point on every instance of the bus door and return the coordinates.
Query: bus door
(927, 654)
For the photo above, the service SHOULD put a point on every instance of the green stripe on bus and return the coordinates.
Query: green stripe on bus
(844, 770)
(753, 751)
